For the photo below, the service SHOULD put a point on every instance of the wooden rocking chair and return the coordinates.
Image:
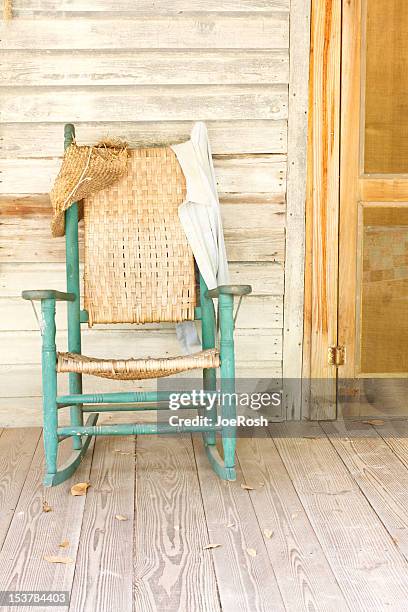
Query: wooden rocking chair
(139, 268)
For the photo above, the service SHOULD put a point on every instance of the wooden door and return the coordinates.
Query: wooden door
(373, 209)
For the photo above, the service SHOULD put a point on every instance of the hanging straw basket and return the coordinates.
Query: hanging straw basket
(85, 170)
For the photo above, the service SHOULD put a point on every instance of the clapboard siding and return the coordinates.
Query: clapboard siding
(144, 68)
(255, 312)
(142, 71)
(11, 376)
(144, 103)
(26, 7)
(150, 31)
(143, 343)
(262, 174)
(227, 137)
(29, 238)
(266, 278)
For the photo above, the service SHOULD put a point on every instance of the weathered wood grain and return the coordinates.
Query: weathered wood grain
(17, 447)
(26, 7)
(376, 468)
(25, 347)
(34, 534)
(304, 576)
(395, 434)
(264, 311)
(104, 565)
(245, 582)
(197, 31)
(245, 175)
(296, 201)
(350, 172)
(144, 103)
(364, 559)
(172, 571)
(226, 137)
(324, 164)
(89, 68)
(11, 376)
(236, 208)
(265, 278)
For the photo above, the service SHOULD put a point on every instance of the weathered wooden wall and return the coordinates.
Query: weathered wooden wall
(145, 71)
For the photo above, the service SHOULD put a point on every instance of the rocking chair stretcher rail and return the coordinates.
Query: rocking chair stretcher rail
(77, 364)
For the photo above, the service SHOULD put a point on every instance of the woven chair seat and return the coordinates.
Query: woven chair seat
(137, 369)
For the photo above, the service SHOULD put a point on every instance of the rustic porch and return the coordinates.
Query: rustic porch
(322, 524)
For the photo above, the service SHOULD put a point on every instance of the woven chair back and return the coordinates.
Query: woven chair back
(139, 267)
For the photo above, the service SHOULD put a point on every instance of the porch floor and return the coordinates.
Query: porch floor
(322, 524)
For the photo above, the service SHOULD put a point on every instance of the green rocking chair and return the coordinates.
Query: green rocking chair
(139, 268)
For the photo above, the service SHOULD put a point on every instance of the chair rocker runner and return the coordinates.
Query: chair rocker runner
(139, 268)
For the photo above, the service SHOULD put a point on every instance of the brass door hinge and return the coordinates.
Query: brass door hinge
(336, 355)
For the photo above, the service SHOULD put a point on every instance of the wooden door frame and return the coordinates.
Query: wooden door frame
(322, 210)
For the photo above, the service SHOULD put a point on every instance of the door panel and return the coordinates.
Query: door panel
(382, 290)
(385, 86)
(373, 240)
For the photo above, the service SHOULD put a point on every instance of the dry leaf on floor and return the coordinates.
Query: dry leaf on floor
(46, 507)
(210, 546)
(251, 552)
(54, 559)
(246, 487)
(268, 533)
(64, 544)
(374, 422)
(80, 488)
(121, 517)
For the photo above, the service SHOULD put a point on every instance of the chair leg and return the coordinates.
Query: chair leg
(49, 383)
(76, 414)
(210, 384)
(229, 432)
(208, 342)
(229, 408)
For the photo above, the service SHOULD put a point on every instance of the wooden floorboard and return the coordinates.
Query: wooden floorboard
(332, 497)
(370, 570)
(395, 435)
(379, 473)
(34, 534)
(104, 567)
(172, 571)
(304, 576)
(17, 447)
(245, 582)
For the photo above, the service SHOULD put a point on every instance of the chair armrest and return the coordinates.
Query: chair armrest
(238, 290)
(48, 294)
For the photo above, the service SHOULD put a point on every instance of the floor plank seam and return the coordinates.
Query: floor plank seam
(39, 441)
(134, 528)
(314, 530)
(307, 516)
(262, 537)
(205, 514)
(404, 558)
(90, 450)
(405, 465)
